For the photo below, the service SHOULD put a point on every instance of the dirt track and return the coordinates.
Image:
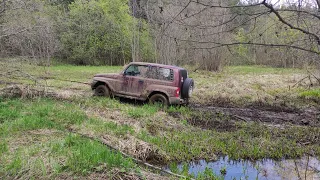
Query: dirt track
(308, 117)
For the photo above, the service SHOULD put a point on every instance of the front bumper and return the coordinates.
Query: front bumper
(93, 84)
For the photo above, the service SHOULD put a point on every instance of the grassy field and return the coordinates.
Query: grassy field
(47, 138)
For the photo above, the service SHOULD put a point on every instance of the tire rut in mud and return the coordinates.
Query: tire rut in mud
(226, 118)
(309, 117)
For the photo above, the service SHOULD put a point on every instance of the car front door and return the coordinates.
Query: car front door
(133, 80)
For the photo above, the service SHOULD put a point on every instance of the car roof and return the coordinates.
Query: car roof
(156, 64)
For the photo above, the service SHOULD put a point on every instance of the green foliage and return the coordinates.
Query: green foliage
(174, 167)
(223, 170)
(208, 174)
(100, 32)
(242, 50)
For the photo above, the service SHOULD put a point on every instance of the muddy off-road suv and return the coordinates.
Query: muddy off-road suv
(156, 83)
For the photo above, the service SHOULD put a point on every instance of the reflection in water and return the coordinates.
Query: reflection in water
(305, 168)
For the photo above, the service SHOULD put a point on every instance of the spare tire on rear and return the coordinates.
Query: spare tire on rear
(187, 88)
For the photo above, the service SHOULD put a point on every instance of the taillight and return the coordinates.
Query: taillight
(177, 92)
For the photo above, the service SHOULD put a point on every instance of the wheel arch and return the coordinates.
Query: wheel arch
(98, 83)
(158, 92)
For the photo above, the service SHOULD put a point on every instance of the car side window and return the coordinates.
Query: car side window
(166, 74)
(136, 70)
(160, 73)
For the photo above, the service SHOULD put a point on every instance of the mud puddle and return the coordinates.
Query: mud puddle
(304, 168)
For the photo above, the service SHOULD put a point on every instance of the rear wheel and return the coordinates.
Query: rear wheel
(159, 99)
(102, 90)
(187, 88)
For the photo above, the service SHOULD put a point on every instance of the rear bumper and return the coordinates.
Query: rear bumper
(175, 100)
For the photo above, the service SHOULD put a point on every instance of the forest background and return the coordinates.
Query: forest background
(206, 33)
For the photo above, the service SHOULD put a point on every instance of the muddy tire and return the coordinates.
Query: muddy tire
(102, 90)
(187, 88)
(159, 98)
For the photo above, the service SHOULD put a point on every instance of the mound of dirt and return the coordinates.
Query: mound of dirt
(19, 91)
(136, 148)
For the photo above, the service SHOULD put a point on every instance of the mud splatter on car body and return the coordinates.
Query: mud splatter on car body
(161, 83)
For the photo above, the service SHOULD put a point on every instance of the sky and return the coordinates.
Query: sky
(287, 2)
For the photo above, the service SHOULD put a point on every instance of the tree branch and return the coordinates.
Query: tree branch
(259, 44)
(218, 44)
(226, 7)
(185, 7)
(15, 33)
(280, 18)
(318, 3)
(300, 11)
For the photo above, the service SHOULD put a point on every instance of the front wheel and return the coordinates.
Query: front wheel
(159, 99)
(102, 90)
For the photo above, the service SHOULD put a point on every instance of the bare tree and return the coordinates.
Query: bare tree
(26, 33)
(179, 28)
(2, 6)
(207, 32)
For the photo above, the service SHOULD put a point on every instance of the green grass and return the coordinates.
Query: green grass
(80, 156)
(35, 141)
(208, 174)
(81, 73)
(53, 74)
(9, 110)
(238, 85)
(246, 85)
(143, 111)
(104, 127)
(87, 154)
(252, 141)
(243, 70)
(3, 147)
(136, 111)
(22, 115)
(310, 94)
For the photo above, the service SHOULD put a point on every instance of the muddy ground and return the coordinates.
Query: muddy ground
(225, 118)
(307, 117)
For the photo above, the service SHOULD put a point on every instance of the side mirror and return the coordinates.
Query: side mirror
(129, 73)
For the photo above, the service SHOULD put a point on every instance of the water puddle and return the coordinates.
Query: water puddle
(305, 168)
